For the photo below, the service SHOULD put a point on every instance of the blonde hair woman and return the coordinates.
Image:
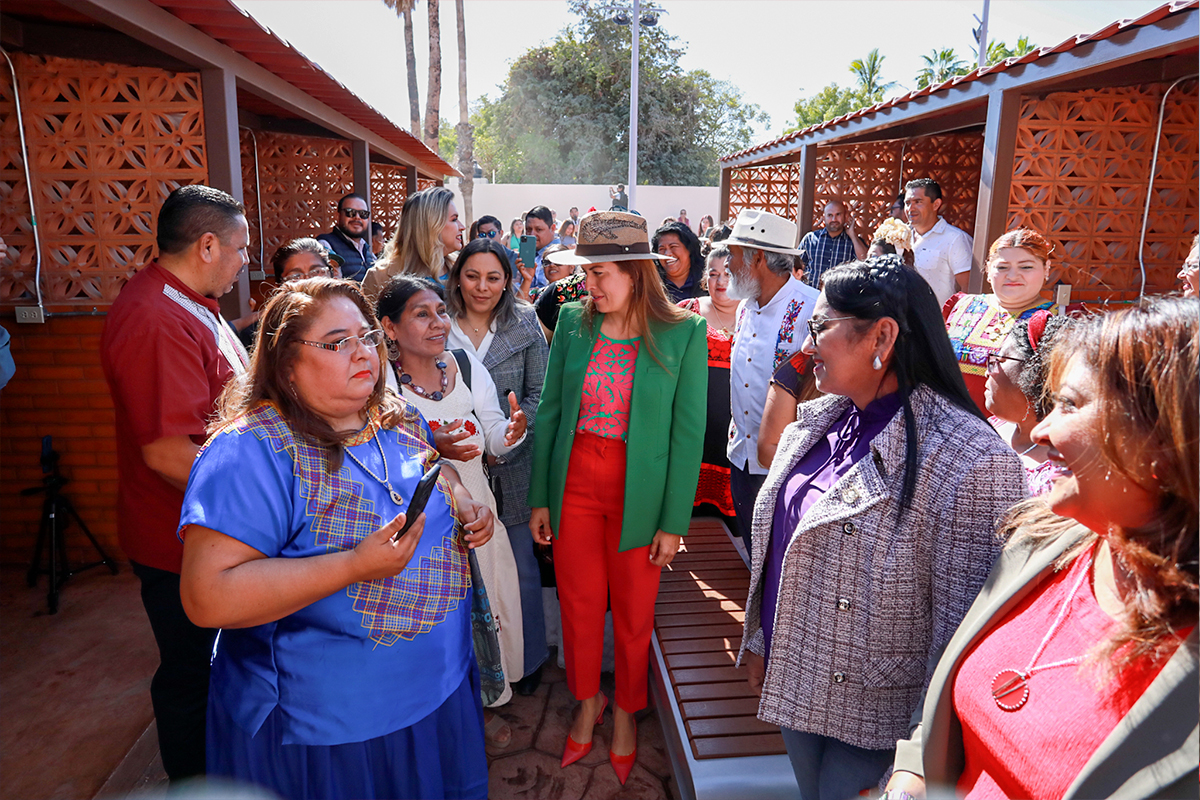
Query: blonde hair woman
(429, 232)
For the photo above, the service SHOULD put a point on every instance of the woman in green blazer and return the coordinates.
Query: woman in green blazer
(626, 385)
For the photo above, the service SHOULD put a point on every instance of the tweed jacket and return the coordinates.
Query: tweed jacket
(516, 360)
(863, 599)
(1153, 752)
(668, 407)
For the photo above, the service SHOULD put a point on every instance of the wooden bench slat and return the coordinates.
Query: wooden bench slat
(735, 707)
(715, 691)
(703, 557)
(725, 674)
(729, 586)
(698, 632)
(712, 545)
(705, 605)
(713, 618)
(729, 726)
(722, 658)
(701, 645)
(763, 744)
(709, 575)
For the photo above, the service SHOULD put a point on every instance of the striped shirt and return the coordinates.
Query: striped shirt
(823, 252)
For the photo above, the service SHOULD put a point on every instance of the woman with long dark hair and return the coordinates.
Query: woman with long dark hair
(626, 385)
(682, 265)
(874, 530)
(1074, 674)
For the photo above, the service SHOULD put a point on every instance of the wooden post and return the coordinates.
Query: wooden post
(723, 202)
(995, 178)
(410, 180)
(219, 90)
(806, 190)
(360, 158)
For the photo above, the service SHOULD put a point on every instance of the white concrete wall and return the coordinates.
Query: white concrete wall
(510, 201)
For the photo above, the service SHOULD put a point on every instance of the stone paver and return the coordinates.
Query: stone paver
(529, 766)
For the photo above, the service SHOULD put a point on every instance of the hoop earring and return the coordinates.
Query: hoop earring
(877, 364)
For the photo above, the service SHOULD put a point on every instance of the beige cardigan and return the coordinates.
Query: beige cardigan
(1154, 750)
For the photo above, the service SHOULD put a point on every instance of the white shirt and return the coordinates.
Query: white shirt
(943, 252)
(460, 340)
(763, 338)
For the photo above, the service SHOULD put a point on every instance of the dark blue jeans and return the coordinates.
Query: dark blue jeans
(533, 613)
(744, 488)
(829, 769)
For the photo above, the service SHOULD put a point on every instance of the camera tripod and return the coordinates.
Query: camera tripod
(57, 513)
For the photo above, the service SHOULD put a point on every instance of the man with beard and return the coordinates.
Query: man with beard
(771, 325)
(836, 243)
(351, 237)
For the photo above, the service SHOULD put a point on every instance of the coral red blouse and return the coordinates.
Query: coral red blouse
(608, 388)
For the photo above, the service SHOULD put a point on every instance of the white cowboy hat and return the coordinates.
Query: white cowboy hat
(608, 236)
(763, 230)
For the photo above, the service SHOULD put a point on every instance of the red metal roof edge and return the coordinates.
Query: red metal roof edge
(319, 83)
(1149, 18)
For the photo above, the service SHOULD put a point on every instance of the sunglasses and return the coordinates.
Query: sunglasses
(354, 212)
(487, 234)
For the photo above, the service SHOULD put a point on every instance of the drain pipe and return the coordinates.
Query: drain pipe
(257, 198)
(37, 314)
(1162, 108)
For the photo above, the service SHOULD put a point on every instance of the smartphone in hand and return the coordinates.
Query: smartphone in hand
(528, 251)
(420, 497)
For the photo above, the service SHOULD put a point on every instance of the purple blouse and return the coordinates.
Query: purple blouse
(847, 441)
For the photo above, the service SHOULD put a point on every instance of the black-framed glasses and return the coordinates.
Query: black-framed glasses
(994, 359)
(815, 326)
(487, 234)
(371, 339)
(361, 213)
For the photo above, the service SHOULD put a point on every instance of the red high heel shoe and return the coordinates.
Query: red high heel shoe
(574, 750)
(623, 765)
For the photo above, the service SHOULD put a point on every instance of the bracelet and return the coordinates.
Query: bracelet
(896, 794)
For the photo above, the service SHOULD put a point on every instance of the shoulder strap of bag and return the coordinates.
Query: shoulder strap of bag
(464, 365)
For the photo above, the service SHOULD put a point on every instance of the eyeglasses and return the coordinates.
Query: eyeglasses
(371, 339)
(994, 359)
(487, 234)
(356, 212)
(315, 272)
(815, 326)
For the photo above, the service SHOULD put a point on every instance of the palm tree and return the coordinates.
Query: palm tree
(998, 51)
(403, 8)
(433, 94)
(940, 66)
(466, 155)
(869, 72)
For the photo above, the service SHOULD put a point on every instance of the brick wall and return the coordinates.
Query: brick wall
(59, 390)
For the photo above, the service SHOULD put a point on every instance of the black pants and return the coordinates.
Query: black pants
(744, 488)
(179, 690)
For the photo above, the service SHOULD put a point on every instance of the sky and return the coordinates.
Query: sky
(774, 51)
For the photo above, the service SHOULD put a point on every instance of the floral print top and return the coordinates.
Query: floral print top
(608, 388)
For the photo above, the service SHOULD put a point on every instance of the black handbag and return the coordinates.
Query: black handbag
(485, 637)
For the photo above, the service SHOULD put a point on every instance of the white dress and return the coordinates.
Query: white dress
(496, 561)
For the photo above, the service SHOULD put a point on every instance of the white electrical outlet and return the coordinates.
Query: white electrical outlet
(31, 314)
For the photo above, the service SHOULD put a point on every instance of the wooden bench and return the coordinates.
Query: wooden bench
(717, 745)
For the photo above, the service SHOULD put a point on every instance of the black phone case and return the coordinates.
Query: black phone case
(420, 497)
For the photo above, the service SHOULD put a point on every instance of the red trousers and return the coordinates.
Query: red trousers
(591, 573)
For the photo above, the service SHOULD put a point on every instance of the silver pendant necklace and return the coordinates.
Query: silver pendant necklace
(1010, 687)
(385, 480)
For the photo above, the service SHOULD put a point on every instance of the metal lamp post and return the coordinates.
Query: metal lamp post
(635, 14)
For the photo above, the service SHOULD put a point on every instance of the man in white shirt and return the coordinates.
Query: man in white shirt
(941, 252)
(771, 326)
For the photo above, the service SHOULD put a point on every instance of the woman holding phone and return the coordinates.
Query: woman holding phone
(287, 527)
(626, 384)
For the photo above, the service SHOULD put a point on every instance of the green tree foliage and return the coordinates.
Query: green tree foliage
(940, 66)
(563, 116)
(869, 74)
(829, 103)
(998, 50)
(447, 140)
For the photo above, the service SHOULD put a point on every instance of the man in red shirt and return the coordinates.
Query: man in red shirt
(167, 354)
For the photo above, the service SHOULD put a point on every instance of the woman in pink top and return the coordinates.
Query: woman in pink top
(1074, 674)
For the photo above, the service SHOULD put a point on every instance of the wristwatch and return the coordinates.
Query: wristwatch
(896, 794)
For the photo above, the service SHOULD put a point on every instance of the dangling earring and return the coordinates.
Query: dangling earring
(393, 349)
(876, 364)
(295, 396)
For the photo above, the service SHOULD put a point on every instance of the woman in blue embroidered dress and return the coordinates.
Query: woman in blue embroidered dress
(344, 667)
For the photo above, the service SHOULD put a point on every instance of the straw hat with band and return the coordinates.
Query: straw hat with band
(608, 236)
(763, 230)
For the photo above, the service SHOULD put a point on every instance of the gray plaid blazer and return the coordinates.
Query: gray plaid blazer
(517, 360)
(864, 601)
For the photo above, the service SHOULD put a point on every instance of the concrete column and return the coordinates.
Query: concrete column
(806, 191)
(219, 90)
(723, 202)
(995, 178)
